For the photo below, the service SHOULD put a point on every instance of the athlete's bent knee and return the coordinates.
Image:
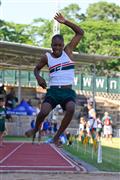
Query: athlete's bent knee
(43, 113)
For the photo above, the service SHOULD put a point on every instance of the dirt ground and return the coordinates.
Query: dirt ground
(41, 176)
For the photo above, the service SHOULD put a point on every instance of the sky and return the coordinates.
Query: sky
(24, 11)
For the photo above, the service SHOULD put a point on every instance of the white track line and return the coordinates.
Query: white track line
(78, 167)
(59, 167)
(11, 153)
(73, 165)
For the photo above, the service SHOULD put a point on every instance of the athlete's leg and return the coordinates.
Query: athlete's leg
(1, 139)
(45, 109)
(70, 108)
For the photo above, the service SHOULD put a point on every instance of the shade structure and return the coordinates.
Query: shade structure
(18, 56)
(22, 109)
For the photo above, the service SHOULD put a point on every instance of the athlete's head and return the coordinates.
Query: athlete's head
(57, 45)
(90, 105)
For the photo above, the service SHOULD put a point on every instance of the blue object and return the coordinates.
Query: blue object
(46, 125)
(22, 109)
(32, 124)
(50, 140)
(63, 139)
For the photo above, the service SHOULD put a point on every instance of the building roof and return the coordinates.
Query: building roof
(16, 55)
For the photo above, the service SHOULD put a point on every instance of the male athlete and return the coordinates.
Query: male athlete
(61, 77)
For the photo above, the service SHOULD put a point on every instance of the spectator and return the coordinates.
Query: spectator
(11, 99)
(32, 124)
(46, 125)
(81, 127)
(107, 121)
(29, 102)
(69, 138)
(2, 120)
(85, 111)
(10, 103)
(99, 127)
(55, 127)
(92, 123)
(90, 100)
(2, 91)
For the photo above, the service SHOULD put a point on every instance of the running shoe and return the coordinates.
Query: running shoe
(49, 141)
(57, 144)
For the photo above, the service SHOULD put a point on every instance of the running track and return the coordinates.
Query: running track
(27, 157)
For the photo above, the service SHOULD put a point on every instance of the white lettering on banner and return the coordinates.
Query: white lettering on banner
(113, 84)
(87, 82)
(100, 83)
(75, 80)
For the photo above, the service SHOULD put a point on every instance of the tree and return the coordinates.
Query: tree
(42, 31)
(14, 32)
(72, 12)
(104, 11)
(100, 38)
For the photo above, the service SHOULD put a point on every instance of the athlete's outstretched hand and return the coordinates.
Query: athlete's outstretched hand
(59, 17)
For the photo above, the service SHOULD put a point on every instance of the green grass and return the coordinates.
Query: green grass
(17, 138)
(110, 155)
(22, 138)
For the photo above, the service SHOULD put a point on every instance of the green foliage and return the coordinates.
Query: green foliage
(14, 32)
(42, 31)
(102, 31)
(105, 11)
(102, 37)
(72, 12)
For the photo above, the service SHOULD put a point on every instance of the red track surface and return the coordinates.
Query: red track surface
(28, 157)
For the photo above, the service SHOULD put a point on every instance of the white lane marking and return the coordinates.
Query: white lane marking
(65, 167)
(12, 152)
(73, 165)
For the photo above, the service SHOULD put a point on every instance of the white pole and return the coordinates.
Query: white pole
(93, 90)
(56, 28)
(99, 159)
(56, 25)
(19, 86)
(0, 9)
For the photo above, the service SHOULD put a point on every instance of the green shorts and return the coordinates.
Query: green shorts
(55, 96)
(2, 125)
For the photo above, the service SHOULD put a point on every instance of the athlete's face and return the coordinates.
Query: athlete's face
(57, 46)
